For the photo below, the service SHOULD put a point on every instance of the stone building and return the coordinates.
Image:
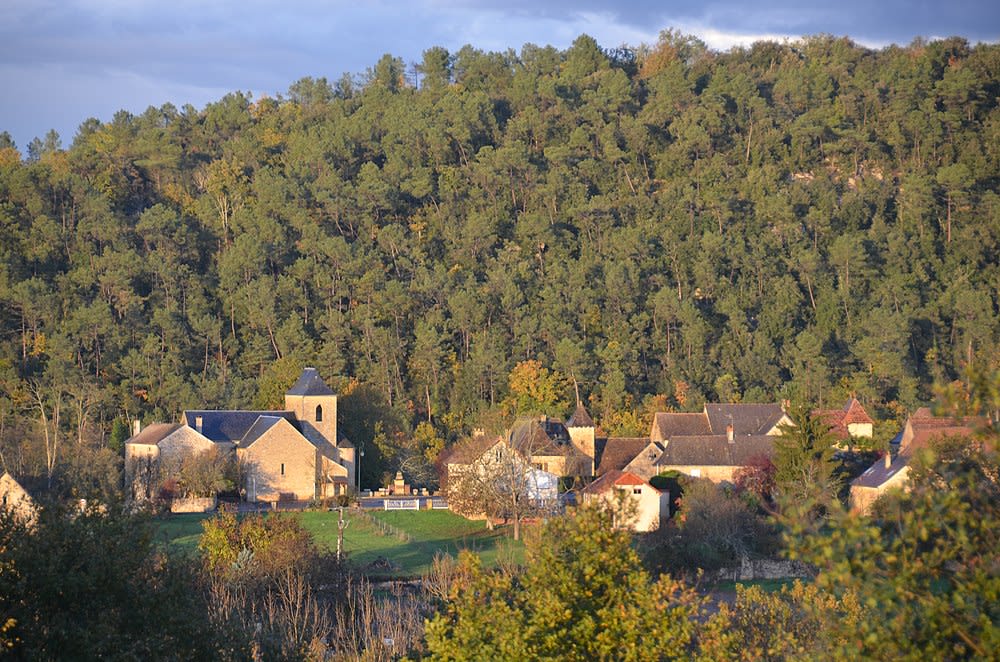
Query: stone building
(294, 454)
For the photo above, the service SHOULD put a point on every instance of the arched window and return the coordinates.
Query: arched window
(319, 413)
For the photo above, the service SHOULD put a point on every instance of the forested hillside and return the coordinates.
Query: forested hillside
(802, 220)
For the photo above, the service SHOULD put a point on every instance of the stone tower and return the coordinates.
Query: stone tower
(582, 432)
(315, 406)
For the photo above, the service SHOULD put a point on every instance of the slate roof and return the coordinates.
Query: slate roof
(615, 453)
(668, 423)
(715, 450)
(310, 383)
(745, 418)
(153, 434)
(229, 425)
(580, 418)
(613, 478)
(534, 437)
(469, 450)
(877, 474)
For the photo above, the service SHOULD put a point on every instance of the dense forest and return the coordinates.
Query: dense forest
(663, 225)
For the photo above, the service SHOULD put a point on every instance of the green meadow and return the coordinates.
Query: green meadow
(407, 540)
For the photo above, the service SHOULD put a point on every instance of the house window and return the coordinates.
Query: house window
(282, 468)
(319, 413)
(636, 490)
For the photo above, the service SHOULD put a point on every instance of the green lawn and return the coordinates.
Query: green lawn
(179, 532)
(430, 532)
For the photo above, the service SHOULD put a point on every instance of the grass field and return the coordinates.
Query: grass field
(421, 535)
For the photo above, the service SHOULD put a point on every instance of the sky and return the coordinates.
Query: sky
(63, 61)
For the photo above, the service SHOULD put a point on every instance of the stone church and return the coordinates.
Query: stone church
(294, 454)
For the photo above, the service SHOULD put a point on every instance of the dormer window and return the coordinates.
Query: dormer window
(319, 413)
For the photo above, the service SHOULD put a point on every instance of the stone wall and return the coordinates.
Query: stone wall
(756, 569)
(193, 505)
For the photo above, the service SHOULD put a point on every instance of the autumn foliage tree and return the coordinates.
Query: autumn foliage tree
(584, 594)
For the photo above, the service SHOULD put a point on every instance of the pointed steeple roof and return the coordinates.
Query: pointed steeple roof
(854, 412)
(580, 418)
(310, 383)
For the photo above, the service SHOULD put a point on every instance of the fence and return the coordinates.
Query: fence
(402, 504)
(384, 528)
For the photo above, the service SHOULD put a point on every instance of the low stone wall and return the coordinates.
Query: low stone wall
(193, 505)
(754, 569)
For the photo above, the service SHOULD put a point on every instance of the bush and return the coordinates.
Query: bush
(714, 528)
(673, 482)
(93, 585)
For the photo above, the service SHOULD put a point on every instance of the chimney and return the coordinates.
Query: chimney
(197, 423)
(136, 427)
(786, 405)
(729, 433)
(888, 459)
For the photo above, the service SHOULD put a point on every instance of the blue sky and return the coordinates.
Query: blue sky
(62, 61)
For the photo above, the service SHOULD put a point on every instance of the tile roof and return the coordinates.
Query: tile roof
(855, 413)
(310, 383)
(920, 430)
(615, 453)
(229, 425)
(838, 419)
(153, 434)
(613, 478)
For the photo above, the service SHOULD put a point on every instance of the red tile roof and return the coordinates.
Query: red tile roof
(838, 419)
(855, 413)
(613, 478)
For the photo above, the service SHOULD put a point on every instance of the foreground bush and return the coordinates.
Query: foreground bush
(93, 586)
(583, 595)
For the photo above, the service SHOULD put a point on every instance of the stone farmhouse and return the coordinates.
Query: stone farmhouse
(541, 444)
(717, 441)
(713, 443)
(501, 465)
(891, 472)
(652, 505)
(294, 454)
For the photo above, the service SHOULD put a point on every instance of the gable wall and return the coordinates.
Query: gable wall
(860, 430)
(642, 465)
(182, 443)
(261, 466)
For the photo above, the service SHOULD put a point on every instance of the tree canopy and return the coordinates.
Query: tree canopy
(804, 219)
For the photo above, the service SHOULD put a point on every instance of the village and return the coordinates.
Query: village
(293, 457)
